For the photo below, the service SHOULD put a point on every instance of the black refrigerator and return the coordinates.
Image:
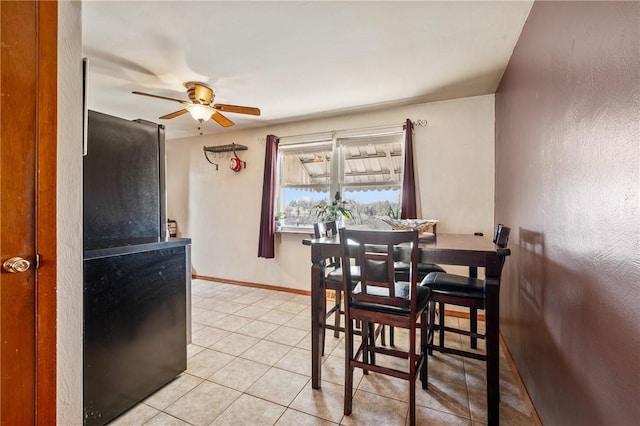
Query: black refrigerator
(136, 280)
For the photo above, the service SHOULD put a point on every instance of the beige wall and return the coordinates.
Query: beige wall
(220, 210)
(69, 218)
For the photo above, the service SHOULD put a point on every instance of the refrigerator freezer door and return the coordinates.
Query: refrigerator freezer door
(123, 183)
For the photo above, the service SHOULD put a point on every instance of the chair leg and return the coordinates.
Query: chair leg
(348, 371)
(336, 333)
(412, 376)
(432, 320)
(364, 333)
(473, 326)
(391, 338)
(412, 400)
(324, 321)
(424, 372)
(441, 325)
(372, 343)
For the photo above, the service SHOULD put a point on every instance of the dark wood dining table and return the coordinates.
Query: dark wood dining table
(447, 249)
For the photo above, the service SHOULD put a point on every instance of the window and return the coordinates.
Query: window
(365, 168)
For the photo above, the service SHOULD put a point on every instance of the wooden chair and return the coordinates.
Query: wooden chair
(461, 291)
(333, 281)
(467, 291)
(378, 299)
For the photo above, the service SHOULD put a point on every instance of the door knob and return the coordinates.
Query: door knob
(16, 264)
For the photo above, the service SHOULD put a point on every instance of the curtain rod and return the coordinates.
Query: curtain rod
(416, 123)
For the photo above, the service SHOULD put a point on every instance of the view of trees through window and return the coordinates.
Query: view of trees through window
(367, 207)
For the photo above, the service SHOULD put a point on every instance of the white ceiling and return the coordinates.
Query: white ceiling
(293, 59)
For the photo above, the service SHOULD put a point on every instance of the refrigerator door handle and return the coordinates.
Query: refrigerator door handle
(85, 105)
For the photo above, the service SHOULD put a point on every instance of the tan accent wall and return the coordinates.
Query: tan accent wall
(568, 183)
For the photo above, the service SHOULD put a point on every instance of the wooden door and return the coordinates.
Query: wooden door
(28, 114)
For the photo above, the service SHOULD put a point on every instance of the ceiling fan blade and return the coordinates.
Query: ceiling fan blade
(221, 119)
(159, 97)
(238, 109)
(174, 114)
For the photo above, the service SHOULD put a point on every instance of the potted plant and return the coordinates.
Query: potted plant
(336, 211)
(280, 217)
(393, 214)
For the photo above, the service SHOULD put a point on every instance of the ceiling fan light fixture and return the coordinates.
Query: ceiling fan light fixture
(200, 112)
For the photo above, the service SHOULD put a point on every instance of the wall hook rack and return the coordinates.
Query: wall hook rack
(221, 149)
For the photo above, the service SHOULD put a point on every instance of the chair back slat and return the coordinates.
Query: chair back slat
(376, 270)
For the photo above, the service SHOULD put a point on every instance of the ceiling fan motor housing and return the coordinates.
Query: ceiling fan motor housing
(199, 92)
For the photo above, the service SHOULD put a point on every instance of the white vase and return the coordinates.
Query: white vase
(341, 222)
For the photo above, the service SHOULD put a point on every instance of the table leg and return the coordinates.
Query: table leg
(473, 312)
(492, 317)
(317, 302)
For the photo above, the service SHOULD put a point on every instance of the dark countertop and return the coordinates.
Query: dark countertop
(134, 246)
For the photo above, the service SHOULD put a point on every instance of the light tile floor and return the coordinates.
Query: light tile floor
(250, 364)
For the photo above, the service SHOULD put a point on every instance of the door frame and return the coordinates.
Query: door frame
(46, 212)
(31, 395)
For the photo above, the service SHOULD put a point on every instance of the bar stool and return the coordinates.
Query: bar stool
(461, 291)
(333, 281)
(468, 292)
(379, 299)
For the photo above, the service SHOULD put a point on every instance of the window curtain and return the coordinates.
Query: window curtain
(408, 202)
(267, 223)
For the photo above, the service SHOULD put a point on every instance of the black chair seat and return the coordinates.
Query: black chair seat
(335, 276)
(402, 291)
(402, 270)
(451, 284)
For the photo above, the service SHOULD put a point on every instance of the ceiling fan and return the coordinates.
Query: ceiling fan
(201, 106)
